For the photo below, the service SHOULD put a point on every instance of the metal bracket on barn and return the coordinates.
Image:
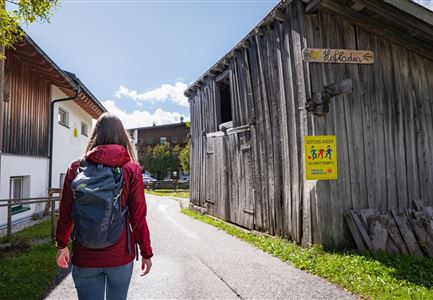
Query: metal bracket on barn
(319, 103)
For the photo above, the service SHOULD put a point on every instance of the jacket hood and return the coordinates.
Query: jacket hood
(110, 155)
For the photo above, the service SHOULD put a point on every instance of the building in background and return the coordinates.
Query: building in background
(32, 82)
(173, 134)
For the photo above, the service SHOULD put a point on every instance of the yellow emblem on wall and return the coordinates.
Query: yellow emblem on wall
(75, 132)
(315, 54)
(321, 157)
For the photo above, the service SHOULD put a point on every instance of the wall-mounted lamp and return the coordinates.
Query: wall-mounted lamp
(319, 103)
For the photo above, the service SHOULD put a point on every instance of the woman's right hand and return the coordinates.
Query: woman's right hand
(62, 258)
(146, 265)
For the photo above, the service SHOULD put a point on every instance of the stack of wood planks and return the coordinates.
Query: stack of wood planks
(408, 231)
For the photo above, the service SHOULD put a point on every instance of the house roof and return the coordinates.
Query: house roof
(32, 55)
(403, 19)
(165, 126)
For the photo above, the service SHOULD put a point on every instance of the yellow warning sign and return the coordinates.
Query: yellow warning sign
(321, 157)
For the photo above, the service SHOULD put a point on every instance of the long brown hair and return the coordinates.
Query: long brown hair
(109, 130)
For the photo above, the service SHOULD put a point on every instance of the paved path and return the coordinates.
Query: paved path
(195, 260)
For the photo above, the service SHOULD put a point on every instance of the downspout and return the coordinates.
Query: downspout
(77, 92)
(2, 82)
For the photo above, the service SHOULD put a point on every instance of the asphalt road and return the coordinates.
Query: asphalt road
(194, 260)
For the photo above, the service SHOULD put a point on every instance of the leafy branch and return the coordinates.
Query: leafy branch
(22, 12)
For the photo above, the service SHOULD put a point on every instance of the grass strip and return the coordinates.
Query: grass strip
(169, 193)
(39, 231)
(371, 276)
(27, 274)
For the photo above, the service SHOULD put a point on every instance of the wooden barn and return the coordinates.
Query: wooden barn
(251, 111)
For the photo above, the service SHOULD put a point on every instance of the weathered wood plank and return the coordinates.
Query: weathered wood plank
(266, 163)
(406, 233)
(359, 241)
(422, 235)
(362, 229)
(389, 113)
(399, 136)
(395, 235)
(299, 100)
(378, 233)
(258, 142)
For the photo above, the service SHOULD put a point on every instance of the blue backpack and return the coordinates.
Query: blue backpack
(96, 209)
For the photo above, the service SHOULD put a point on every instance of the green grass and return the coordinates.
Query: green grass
(27, 274)
(38, 231)
(372, 276)
(171, 193)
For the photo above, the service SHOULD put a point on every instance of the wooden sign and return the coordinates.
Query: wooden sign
(321, 157)
(338, 56)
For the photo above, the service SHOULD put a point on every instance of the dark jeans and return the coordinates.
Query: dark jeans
(93, 283)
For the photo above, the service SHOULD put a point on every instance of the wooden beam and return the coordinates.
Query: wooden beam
(357, 6)
(378, 28)
(279, 15)
(313, 6)
(245, 44)
(222, 76)
(390, 12)
(28, 58)
(259, 31)
(26, 52)
(413, 9)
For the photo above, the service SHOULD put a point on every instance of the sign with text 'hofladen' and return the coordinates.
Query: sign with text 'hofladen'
(338, 56)
(321, 157)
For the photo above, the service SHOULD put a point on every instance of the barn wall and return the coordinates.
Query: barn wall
(253, 175)
(384, 128)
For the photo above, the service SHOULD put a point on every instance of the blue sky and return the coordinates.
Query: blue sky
(137, 57)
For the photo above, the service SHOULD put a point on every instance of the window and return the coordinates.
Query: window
(17, 192)
(62, 180)
(84, 129)
(224, 99)
(63, 117)
(163, 140)
(174, 140)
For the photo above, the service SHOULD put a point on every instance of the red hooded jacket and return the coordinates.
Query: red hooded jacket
(132, 193)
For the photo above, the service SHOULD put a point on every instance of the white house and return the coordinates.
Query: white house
(33, 84)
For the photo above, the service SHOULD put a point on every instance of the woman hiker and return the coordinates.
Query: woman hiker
(98, 270)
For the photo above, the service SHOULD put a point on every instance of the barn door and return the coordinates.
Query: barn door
(240, 179)
(216, 200)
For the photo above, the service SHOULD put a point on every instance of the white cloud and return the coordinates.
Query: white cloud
(143, 118)
(426, 3)
(166, 92)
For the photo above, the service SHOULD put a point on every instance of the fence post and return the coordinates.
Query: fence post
(51, 192)
(53, 221)
(9, 230)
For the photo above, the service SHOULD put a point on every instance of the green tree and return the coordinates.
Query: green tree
(184, 158)
(175, 163)
(162, 158)
(160, 161)
(21, 12)
(144, 155)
